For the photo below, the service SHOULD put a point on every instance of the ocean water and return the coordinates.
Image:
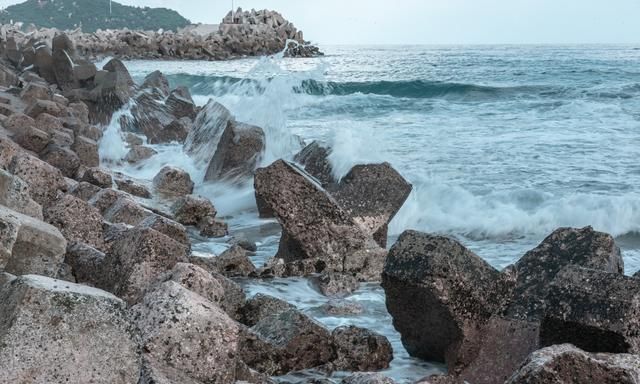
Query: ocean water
(503, 144)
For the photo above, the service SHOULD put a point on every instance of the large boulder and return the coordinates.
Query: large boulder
(164, 225)
(181, 104)
(44, 180)
(435, 283)
(29, 246)
(59, 332)
(239, 151)
(173, 181)
(567, 364)
(372, 194)
(77, 220)
(316, 230)
(126, 210)
(184, 331)
(153, 118)
(62, 158)
(211, 121)
(15, 194)
(137, 258)
(86, 263)
(536, 270)
(156, 81)
(196, 280)
(261, 306)
(594, 310)
(191, 210)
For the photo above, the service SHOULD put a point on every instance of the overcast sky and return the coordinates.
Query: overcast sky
(436, 21)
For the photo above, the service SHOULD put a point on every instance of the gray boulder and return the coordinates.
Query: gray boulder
(211, 121)
(15, 194)
(55, 331)
(173, 181)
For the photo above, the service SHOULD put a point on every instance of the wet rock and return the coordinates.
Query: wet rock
(315, 228)
(460, 289)
(173, 181)
(245, 244)
(86, 263)
(343, 308)
(238, 153)
(184, 331)
(203, 139)
(62, 158)
(139, 153)
(38, 107)
(298, 342)
(87, 150)
(80, 111)
(315, 160)
(191, 209)
(566, 246)
(233, 262)
(137, 258)
(28, 245)
(212, 228)
(86, 332)
(5, 278)
(126, 210)
(372, 195)
(131, 138)
(595, 310)
(133, 187)
(567, 364)
(262, 306)
(99, 177)
(43, 179)
(196, 280)
(77, 220)
(181, 105)
(156, 81)
(367, 378)
(32, 139)
(359, 349)
(63, 70)
(15, 195)
(335, 284)
(174, 230)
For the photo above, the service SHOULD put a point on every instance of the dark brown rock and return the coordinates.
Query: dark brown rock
(261, 306)
(594, 310)
(86, 263)
(460, 289)
(62, 158)
(32, 139)
(174, 230)
(568, 365)
(238, 153)
(133, 187)
(18, 122)
(335, 284)
(212, 228)
(85, 191)
(38, 107)
(87, 150)
(315, 160)
(156, 81)
(203, 139)
(181, 105)
(35, 91)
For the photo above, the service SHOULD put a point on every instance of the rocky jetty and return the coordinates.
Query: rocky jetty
(486, 324)
(240, 34)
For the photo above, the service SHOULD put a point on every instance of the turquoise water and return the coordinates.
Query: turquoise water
(503, 144)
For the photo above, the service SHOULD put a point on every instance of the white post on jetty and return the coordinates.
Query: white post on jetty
(110, 9)
(233, 19)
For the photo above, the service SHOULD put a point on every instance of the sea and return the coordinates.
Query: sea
(502, 144)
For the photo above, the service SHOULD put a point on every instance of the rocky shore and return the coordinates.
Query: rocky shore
(241, 34)
(98, 282)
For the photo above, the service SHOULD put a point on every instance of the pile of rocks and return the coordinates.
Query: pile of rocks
(247, 33)
(564, 313)
(98, 286)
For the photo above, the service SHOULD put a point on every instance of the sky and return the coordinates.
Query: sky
(436, 21)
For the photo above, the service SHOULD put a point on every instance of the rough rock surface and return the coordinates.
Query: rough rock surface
(77, 220)
(43, 179)
(315, 228)
(335, 284)
(460, 289)
(239, 151)
(86, 264)
(173, 181)
(261, 306)
(190, 210)
(359, 349)
(203, 139)
(29, 246)
(569, 365)
(137, 258)
(98, 177)
(64, 333)
(183, 330)
(15, 194)
(315, 160)
(594, 310)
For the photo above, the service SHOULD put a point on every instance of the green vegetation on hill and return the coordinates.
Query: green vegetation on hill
(91, 15)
